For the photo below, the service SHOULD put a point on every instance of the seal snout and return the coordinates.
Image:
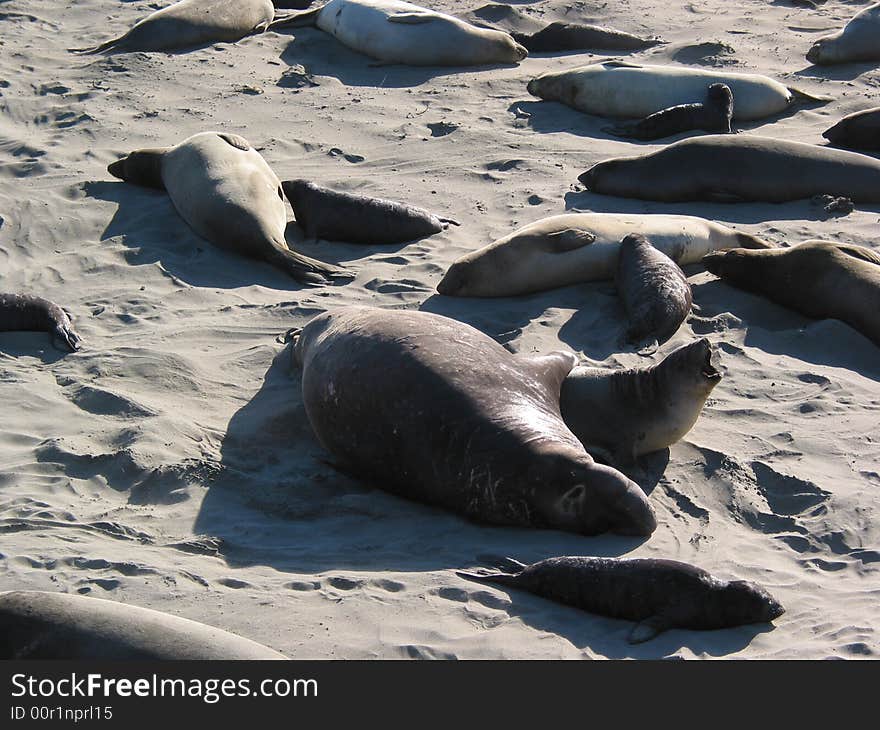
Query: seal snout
(712, 262)
(588, 178)
(117, 169)
(814, 55)
(452, 282)
(521, 52)
(711, 361)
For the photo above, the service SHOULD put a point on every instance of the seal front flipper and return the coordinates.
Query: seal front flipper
(412, 18)
(236, 140)
(648, 629)
(803, 98)
(567, 239)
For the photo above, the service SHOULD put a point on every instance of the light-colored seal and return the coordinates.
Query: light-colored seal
(336, 216)
(735, 168)
(859, 131)
(577, 247)
(859, 40)
(227, 193)
(42, 625)
(816, 278)
(26, 313)
(654, 291)
(434, 410)
(560, 36)
(398, 32)
(658, 594)
(621, 89)
(619, 415)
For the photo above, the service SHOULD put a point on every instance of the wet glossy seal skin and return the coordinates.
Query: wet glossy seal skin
(859, 131)
(42, 625)
(658, 594)
(816, 278)
(654, 291)
(434, 410)
(26, 313)
(336, 216)
(619, 415)
(561, 36)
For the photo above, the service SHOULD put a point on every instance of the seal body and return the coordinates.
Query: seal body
(42, 625)
(335, 216)
(561, 36)
(623, 414)
(859, 40)
(735, 168)
(621, 89)
(859, 131)
(26, 313)
(434, 410)
(190, 23)
(654, 290)
(577, 247)
(227, 193)
(816, 278)
(659, 594)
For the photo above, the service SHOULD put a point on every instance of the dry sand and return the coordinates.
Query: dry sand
(169, 464)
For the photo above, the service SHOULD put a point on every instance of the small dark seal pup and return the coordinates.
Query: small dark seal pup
(713, 115)
(434, 410)
(654, 290)
(659, 594)
(335, 216)
(561, 36)
(26, 313)
(859, 131)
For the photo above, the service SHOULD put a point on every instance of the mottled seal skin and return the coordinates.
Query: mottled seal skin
(336, 216)
(713, 115)
(857, 41)
(431, 409)
(43, 625)
(561, 36)
(736, 168)
(223, 188)
(658, 594)
(26, 313)
(620, 415)
(654, 290)
(816, 278)
(859, 131)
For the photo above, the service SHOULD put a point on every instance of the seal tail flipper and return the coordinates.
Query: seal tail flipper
(304, 268)
(296, 20)
(647, 629)
(804, 98)
(100, 48)
(67, 335)
(503, 563)
(858, 252)
(746, 240)
(289, 337)
(505, 579)
(449, 221)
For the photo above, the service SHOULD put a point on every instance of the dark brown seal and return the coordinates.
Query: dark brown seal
(859, 131)
(26, 313)
(561, 36)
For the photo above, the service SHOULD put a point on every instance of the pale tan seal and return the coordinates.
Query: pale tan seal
(858, 40)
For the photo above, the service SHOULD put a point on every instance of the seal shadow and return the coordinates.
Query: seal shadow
(30, 344)
(835, 72)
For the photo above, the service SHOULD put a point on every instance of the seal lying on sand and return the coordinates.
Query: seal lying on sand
(621, 89)
(659, 594)
(619, 415)
(859, 40)
(434, 410)
(42, 625)
(576, 247)
(561, 36)
(334, 216)
(26, 313)
(859, 131)
(398, 32)
(735, 168)
(223, 188)
(816, 278)
(712, 115)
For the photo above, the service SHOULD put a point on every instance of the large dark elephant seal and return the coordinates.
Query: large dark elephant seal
(336, 216)
(434, 410)
(734, 168)
(816, 278)
(857, 41)
(619, 415)
(859, 131)
(42, 625)
(561, 36)
(223, 188)
(659, 594)
(26, 313)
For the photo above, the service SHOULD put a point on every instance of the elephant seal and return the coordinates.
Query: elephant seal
(859, 131)
(622, 89)
(43, 625)
(335, 216)
(223, 188)
(735, 168)
(392, 31)
(620, 415)
(658, 594)
(654, 290)
(26, 313)
(578, 247)
(561, 36)
(713, 115)
(857, 41)
(434, 410)
(816, 278)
